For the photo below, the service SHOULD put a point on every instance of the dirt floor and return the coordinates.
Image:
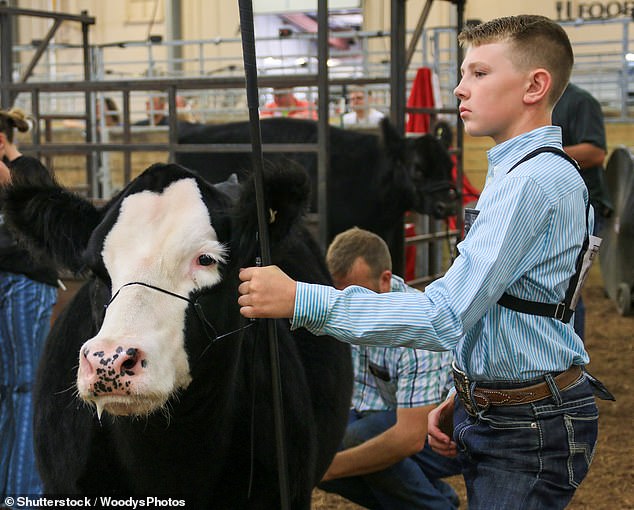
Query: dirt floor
(610, 342)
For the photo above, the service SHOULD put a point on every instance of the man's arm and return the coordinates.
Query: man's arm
(404, 439)
(586, 154)
(440, 428)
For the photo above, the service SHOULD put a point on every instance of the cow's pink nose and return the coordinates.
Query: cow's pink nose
(110, 371)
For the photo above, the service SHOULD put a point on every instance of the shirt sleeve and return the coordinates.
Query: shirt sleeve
(498, 249)
(588, 125)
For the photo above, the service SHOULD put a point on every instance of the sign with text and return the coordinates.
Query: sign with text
(571, 10)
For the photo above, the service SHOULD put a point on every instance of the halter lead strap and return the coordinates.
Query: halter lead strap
(197, 306)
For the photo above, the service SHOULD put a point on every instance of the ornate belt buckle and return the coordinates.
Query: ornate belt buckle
(463, 388)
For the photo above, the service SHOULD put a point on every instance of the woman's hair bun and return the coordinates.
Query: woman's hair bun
(19, 119)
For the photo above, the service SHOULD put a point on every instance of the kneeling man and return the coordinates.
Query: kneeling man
(385, 461)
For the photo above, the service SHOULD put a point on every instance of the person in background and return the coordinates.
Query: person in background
(361, 114)
(184, 111)
(285, 104)
(524, 419)
(385, 461)
(27, 296)
(157, 111)
(580, 117)
(112, 117)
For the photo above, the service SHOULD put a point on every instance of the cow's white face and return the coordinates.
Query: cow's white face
(137, 360)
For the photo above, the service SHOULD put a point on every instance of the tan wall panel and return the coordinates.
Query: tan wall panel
(128, 19)
(475, 160)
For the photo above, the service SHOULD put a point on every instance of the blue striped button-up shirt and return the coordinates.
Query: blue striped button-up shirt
(525, 241)
(389, 377)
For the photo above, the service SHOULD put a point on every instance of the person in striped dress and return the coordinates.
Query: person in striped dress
(524, 417)
(385, 461)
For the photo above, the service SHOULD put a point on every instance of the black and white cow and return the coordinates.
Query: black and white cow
(175, 384)
(372, 180)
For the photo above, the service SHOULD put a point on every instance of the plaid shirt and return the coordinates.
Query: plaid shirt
(391, 377)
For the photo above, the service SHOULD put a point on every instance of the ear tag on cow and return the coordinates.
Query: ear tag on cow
(272, 215)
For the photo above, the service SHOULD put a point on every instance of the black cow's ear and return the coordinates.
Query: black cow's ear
(433, 150)
(443, 131)
(392, 141)
(51, 222)
(286, 193)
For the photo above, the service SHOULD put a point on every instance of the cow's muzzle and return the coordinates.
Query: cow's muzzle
(441, 200)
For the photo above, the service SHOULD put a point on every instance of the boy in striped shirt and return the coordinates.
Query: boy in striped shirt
(524, 418)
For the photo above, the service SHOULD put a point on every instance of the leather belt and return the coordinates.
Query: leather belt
(485, 397)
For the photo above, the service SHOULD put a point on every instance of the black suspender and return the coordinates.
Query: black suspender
(560, 311)
(540, 150)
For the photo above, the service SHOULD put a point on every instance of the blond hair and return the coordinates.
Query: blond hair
(536, 41)
(13, 119)
(353, 243)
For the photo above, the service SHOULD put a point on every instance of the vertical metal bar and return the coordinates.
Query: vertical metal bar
(35, 111)
(6, 59)
(90, 157)
(323, 138)
(48, 136)
(459, 126)
(174, 33)
(397, 110)
(173, 121)
(397, 65)
(127, 156)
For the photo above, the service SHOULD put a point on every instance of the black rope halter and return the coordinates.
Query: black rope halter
(210, 331)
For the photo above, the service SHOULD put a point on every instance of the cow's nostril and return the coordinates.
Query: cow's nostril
(129, 363)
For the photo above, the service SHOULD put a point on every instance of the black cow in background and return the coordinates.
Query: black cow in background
(372, 180)
(175, 383)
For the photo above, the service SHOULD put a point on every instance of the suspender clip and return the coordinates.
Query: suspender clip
(560, 311)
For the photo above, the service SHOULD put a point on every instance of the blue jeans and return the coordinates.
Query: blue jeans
(25, 313)
(413, 483)
(531, 456)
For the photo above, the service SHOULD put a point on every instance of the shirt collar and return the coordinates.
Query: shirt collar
(512, 150)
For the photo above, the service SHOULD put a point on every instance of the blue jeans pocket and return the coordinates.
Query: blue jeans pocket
(582, 436)
(570, 435)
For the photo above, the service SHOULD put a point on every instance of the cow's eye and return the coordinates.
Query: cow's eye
(206, 260)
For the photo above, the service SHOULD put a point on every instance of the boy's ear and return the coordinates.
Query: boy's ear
(539, 86)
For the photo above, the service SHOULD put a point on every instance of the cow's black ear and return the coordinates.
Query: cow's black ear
(286, 193)
(392, 141)
(433, 150)
(51, 222)
(442, 130)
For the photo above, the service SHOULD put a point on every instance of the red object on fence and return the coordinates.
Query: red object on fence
(421, 96)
